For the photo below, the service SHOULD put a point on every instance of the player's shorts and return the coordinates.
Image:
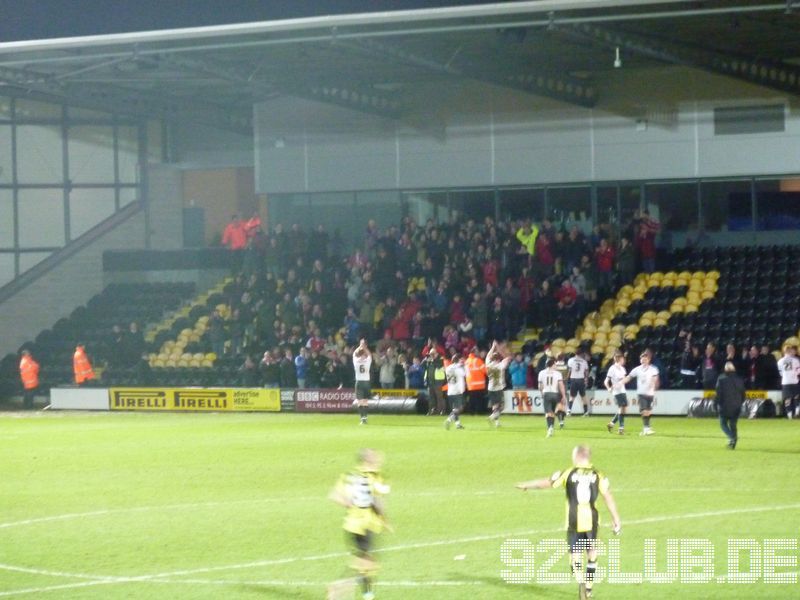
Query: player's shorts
(362, 544)
(577, 386)
(581, 540)
(456, 401)
(645, 402)
(621, 399)
(495, 398)
(550, 401)
(363, 390)
(790, 391)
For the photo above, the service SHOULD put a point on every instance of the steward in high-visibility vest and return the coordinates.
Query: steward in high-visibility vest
(29, 374)
(81, 366)
(476, 382)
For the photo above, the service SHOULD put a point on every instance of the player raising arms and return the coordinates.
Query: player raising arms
(496, 365)
(361, 492)
(456, 375)
(583, 484)
(647, 382)
(362, 363)
(615, 384)
(578, 378)
(551, 385)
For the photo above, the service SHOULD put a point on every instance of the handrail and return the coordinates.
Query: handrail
(40, 269)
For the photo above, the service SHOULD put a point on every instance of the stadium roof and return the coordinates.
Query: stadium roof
(375, 62)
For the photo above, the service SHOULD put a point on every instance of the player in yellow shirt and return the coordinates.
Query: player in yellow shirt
(583, 484)
(361, 492)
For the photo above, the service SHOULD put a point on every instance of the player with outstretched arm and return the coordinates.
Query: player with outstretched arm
(582, 484)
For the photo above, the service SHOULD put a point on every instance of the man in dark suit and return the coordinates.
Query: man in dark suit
(729, 400)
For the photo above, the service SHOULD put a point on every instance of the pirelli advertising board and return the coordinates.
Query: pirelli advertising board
(195, 399)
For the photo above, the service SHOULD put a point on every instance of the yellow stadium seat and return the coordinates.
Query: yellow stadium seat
(629, 337)
(637, 296)
(714, 275)
(677, 308)
(182, 363)
(685, 275)
(660, 323)
(632, 328)
(707, 295)
(645, 322)
(626, 289)
(159, 363)
(596, 349)
(171, 363)
(690, 307)
(559, 342)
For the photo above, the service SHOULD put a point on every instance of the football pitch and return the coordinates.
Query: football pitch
(108, 506)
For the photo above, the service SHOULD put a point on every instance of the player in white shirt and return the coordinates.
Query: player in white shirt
(578, 378)
(551, 385)
(456, 386)
(647, 382)
(362, 363)
(789, 368)
(496, 365)
(615, 384)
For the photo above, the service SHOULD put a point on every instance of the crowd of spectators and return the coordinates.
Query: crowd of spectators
(300, 303)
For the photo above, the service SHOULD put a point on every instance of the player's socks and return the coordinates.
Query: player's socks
(569, 404)
(591, 568)
(550, 422)
(621, 421)
(561, 414)
(577, 571)
(616, 418)
(646, 421)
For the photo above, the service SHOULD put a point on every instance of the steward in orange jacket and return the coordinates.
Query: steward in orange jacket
(476, 382)
(81, 366)
(29, 374)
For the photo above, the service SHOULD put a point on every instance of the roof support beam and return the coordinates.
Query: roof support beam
(558, 86)
(340, 94)
(115, 99)
(775, 75)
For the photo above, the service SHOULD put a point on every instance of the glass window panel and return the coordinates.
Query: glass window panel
(778, 204)
(674, 205)
(475, 205)
(726, 206)
(422, 206)
(6, 267)
(6, 219)
(522, 204)
(334, 211)
(33, 109)
(6, 173)
(607, 207)
(31, 259)
(570, 206)
(384, 207)
(154, 142)
(73, 112)
(39, 154)
(128, 195)
(87, 207)
(285, 209)
(41, 218)
(128, 154)
(5, 108)
(91, 154)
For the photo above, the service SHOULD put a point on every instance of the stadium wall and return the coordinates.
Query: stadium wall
(70, 283)
(75, 279)
(648, 125)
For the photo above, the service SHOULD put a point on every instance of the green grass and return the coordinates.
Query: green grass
(234, 506)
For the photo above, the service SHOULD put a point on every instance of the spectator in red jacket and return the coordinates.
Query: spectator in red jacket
(235, 234)
(645, 242)
(604, 261)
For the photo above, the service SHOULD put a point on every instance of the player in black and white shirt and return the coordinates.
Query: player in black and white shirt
(578, 379)
(615, 384)
(362, 363)
(551, 384)
(789, 368)
(496, 365)
(456, 375)
(647, 382)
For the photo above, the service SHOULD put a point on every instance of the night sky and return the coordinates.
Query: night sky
(36, 19)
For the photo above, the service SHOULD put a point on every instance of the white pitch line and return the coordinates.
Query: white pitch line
(272, 562)
(283, 582)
